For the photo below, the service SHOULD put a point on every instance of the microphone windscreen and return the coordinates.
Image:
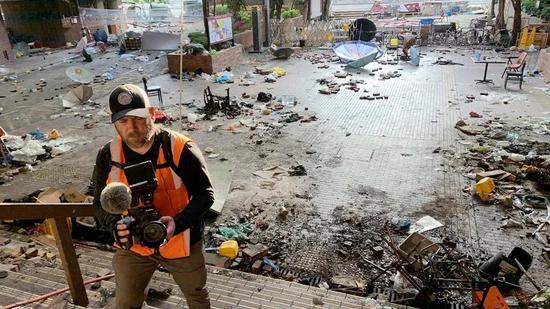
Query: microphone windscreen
(115, 198)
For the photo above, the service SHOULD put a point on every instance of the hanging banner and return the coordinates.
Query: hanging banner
(220, 28)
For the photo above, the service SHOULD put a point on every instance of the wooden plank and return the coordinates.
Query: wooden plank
(12, 211)
(221, 177)
(69, 261)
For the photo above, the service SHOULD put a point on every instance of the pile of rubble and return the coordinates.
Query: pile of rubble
(18, 154)
(511, 167)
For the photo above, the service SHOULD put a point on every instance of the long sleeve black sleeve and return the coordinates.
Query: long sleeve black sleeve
(192, 168)
(104, 219)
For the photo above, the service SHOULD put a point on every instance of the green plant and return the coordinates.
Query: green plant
(246, 17)
(545, 14)
(222, 9)
(198, 38)
(529, 7)
(290, 13)
(235, 6)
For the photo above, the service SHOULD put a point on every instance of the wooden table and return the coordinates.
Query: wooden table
(487, 61)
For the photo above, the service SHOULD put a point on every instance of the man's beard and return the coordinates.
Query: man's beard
(150, 132)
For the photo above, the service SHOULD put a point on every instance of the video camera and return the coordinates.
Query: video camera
(142, 217)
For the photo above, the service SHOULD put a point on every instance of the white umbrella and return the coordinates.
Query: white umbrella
(79, 75)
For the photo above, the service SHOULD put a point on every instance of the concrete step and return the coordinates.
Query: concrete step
(228, 288)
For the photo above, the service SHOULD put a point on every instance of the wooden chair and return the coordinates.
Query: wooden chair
(154, 90)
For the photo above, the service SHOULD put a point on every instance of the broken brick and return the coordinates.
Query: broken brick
(31, 253)
(216, 260)
(377, 251)
(257, 267)
(255, 252)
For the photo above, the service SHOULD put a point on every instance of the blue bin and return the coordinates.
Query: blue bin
(426, 21)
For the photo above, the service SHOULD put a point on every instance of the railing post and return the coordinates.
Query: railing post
(69, 261)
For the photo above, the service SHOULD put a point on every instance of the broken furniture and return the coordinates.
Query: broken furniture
(133, 43)
(505, 266)
(215, 103)
(515, 70)
(154, 90)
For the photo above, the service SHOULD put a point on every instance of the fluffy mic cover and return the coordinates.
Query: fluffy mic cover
(115, 198)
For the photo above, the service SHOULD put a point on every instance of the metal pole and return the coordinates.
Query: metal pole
(79, 15)
(267, 22)
(205, 13)
(181, 61)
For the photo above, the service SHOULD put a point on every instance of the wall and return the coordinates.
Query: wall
(5, 46)
(41, 20)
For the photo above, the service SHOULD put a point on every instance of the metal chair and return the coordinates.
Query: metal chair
(515, 70)
(154, 90)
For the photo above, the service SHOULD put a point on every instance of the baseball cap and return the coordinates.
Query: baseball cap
(128, 100)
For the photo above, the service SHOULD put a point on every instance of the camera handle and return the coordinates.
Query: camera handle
(127, 220)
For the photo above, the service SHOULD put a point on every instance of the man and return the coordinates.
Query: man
(100, 38)
(183, 195)
(409, 39)
(81, 48)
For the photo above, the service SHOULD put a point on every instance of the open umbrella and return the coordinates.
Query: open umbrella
(77, 96)
(357, 53)
(79, 75)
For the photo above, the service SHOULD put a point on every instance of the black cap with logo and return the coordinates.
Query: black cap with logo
(128, 100)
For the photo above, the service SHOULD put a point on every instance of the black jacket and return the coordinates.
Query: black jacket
(194, 174)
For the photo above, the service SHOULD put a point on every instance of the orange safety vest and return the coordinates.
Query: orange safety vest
(170, 196)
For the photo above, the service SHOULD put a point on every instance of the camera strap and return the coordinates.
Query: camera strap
(166, 145)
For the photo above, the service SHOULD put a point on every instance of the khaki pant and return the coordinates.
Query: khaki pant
(133, 273)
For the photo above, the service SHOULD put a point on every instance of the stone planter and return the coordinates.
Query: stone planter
(244, 38)
(229, 57)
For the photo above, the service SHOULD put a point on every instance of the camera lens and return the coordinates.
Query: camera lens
(154, 233)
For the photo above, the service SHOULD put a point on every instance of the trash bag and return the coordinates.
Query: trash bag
(224, 77)
(236, 232)
(415, 56)
(29, 152)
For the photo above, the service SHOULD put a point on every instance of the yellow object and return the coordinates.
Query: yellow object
(54, 134)
(229, 248)
(531, 38)
(328, 37)
(484, 188)
(345, 27)
(394, 42)
(523, 38)
(47, 227)
(527, 38)
(278, 71)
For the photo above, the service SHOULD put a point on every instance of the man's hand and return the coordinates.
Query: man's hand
(122, 233)
(170, 225)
